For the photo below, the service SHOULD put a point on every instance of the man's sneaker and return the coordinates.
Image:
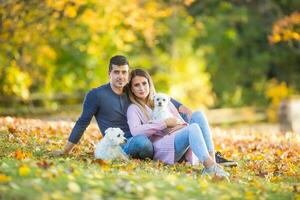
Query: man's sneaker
(215, 170)
(223, 161)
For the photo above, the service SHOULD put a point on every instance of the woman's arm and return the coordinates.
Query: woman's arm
(138, 124)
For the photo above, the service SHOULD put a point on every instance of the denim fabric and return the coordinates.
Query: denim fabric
(190, 136)
(139, 147)
(182, 141)
(200, 119)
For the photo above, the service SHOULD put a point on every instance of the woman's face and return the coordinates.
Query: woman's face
(140, 87)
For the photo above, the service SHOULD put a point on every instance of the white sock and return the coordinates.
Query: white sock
(210, 169)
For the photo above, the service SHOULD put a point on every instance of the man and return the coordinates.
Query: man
(109, 103)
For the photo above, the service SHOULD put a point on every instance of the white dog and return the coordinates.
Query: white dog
(161, 111)
(161, 107)
(109, 146)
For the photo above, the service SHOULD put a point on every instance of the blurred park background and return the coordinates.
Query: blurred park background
(205, 53)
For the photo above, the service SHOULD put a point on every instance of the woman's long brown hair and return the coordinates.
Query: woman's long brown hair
(149, 98)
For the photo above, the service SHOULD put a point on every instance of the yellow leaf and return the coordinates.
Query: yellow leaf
(70, 11)
(180, 187)
(4, 178)
(57, 195)
(104, 164)
(74, 187)
(19, 155)
(24, 170)
(171, 179)
(249, 195)
(203, 184)
(151, 198)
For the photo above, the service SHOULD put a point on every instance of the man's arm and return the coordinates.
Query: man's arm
(176, 103)
(182, 109)
(90, 107)
(187, 111)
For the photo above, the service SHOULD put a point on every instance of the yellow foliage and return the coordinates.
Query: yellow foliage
(286, 29)
(70, 11)
(188, 2)
(16, 82)
(126, 22)
(58, 5)
(7, 24)
(47, 52)
(276, 92)
(190, 83)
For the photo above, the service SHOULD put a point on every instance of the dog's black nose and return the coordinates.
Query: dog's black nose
(159, 103)
(125, 140)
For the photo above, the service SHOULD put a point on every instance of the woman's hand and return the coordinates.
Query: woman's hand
(171, 122)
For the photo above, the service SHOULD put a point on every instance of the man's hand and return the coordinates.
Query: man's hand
(185, 110)
(58, 152)
(171, 122)
(68, 147)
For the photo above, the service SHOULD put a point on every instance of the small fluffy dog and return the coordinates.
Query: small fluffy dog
(161, 110)
(109, 146)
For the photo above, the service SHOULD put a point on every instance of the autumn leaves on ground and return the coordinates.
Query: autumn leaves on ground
(269, 166)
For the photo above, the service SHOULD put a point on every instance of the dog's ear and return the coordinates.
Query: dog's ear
(153, 97)
(120, 131)
(117, 129)
(169, 98)
(107, 130)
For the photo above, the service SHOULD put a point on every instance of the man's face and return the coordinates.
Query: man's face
(119, 75)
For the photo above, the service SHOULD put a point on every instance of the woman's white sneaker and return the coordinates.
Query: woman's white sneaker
(215, 170)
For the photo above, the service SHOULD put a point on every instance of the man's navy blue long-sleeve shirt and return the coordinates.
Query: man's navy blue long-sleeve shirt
(109, 110)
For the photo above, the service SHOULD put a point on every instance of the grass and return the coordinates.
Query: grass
(268, 167)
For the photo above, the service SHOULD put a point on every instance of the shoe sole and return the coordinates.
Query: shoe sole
(229, 164)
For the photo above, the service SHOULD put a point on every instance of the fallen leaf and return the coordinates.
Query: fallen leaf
(74, 187)
(4, 178)
(44, 164)
(24, 170)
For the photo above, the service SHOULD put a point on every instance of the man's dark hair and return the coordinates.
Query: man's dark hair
(117, 60)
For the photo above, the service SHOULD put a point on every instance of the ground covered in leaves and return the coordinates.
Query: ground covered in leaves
(269, 166)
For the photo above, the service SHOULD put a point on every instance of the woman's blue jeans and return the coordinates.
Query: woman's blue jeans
(197, 136)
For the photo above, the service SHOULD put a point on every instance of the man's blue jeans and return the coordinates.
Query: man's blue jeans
(139, 147)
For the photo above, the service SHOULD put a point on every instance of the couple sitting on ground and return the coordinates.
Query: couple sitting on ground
(128, 107)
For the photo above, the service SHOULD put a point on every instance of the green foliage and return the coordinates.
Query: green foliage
(213, 53)
(239, 56)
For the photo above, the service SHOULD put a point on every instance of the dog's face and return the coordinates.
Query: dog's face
(161, 100)
(115, 136)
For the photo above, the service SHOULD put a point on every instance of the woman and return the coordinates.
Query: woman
(169, 147)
